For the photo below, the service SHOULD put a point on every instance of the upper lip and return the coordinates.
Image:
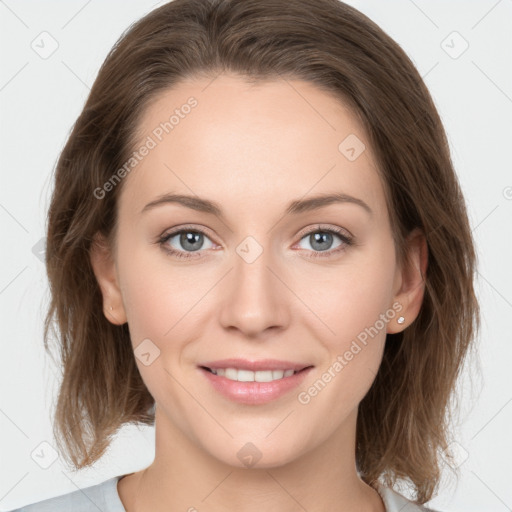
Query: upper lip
(263, 364)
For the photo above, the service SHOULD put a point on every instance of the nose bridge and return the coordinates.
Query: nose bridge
(254, 300)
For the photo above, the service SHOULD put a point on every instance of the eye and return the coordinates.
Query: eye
(321, 239)
(184, 242)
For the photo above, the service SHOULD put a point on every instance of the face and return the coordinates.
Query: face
(235, 273)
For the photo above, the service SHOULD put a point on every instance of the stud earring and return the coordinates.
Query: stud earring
(400, 319)
(111, 308)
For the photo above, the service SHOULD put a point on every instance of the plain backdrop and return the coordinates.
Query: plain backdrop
(463, 49)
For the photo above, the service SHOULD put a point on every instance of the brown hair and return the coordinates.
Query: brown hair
(403, 420)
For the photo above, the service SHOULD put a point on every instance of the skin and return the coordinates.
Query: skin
(253, 149)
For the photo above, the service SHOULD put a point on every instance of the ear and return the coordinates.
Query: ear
(410, 281)
(104, 268)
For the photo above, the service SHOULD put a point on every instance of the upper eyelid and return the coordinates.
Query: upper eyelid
(325, 227)
(203, 229)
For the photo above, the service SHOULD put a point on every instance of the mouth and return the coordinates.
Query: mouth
(256, 382)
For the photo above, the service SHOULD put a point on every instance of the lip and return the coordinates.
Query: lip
(254, 393)
(263, 364)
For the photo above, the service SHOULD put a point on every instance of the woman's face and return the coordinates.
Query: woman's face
(270, 275)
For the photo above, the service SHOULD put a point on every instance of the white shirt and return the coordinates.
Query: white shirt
(104, 497)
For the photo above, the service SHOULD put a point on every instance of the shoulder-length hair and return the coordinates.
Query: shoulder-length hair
(403, 421)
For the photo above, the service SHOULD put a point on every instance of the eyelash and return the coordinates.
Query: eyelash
(347, 242)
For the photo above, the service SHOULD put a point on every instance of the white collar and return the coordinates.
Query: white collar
(395, 502)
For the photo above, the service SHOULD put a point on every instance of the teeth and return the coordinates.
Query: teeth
(250, 376)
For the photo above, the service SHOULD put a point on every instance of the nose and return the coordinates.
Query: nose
(254, 299)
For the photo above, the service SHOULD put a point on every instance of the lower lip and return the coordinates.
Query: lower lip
(254, 393)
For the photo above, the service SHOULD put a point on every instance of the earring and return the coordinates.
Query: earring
(400, 319)
(111, 308)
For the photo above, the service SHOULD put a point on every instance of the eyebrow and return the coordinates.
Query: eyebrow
(294, 207)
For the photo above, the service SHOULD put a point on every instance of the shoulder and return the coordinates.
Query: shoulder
(102, 496)
(395, 502)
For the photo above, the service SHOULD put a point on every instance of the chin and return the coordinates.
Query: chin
(255, 451)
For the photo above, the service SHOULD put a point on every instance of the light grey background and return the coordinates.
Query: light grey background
(40, 98)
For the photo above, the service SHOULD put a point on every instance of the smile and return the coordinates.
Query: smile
(253, 387)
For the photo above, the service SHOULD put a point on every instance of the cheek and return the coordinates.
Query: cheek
(358, 312)
(155, 299)
(352, 299)
(156, 308)
(159, 302)
(145, 301)
(355, 300)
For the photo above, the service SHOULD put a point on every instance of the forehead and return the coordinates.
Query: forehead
(243, 143)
